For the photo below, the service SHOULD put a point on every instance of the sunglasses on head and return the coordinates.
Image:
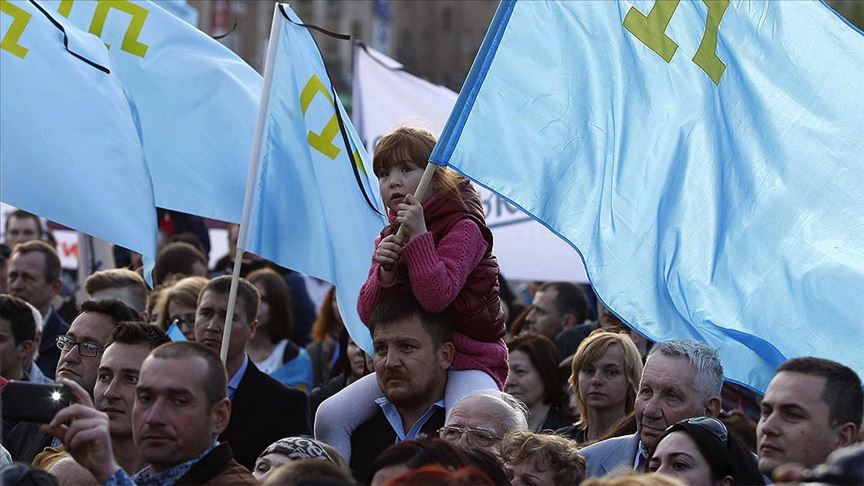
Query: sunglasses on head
(711, 424)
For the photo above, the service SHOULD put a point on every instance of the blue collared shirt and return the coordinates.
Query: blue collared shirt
(235, 380)
(167, 477)
(392, 415)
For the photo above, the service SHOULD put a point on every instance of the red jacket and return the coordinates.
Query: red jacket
(451, 267)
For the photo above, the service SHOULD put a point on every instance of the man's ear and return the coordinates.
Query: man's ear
(253, 327)
(713, 407)
(55, 286)
(24, 348)
(845, 434)
(220, 415)
(568, 320)
(447, 353)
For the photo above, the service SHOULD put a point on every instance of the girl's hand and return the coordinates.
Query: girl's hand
(387, 256)
(410, 215)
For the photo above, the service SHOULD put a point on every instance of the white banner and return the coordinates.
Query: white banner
(387, 97)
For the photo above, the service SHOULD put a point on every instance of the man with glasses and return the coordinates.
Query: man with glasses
(80, 352)
(481, 420)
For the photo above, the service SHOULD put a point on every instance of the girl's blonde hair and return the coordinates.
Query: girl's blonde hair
(406, 144)
(185, 291)
(592, 349)
(546, 451)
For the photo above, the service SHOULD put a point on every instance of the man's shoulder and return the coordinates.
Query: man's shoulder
(259, 382)
(216, 468)
(610, 454)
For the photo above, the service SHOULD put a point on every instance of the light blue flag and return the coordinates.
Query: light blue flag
(314, 206)
(705, 158)
(70, 149)
(197, 102)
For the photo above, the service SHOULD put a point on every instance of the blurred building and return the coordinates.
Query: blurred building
(435, 39)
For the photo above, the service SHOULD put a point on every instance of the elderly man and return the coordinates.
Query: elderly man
(680, 380)
(180, 409)
(482, 420)
(811, 408)
(34, 275)
(412, 354)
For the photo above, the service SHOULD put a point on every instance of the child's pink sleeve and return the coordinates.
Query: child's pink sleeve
(438, 274)
(372, 290)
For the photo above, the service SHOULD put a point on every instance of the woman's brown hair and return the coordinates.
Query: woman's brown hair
(278, 298)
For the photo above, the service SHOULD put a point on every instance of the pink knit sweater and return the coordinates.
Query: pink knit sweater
(436, 277)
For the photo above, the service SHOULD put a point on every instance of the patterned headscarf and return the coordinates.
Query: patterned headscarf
(298, 448)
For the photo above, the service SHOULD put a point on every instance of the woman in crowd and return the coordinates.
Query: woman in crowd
(605, 377)
(325, 346)
(534, 379)
(291, 449)
(351, 364)
(177, 304)
(542, 459)
(270, 348)
(412, 454)
(702, 452)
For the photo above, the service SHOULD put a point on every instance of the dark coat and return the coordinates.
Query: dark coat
(26, 440)
(49, 353)
(375, 435)
(217, 468)
(262, 412)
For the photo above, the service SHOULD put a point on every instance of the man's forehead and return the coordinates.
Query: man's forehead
(91, 326)
(25, 222)
(121, 355)
(173, 373)
(792, 388)
(32, 260)
(406, 329)
(663, 370)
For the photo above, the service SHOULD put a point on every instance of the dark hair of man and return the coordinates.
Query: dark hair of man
(177, 258)
(5, 252)
(136, 333)
(112, 308)
(544, 357)
(732, 458)
(21, 214)
(569, 299)
(216, 380)
(402, 306)
(52, 261)
(247, 294)
(487, 462)
(419, 452)
(842, 391)
(281, 325)
(115, 278)
(20, 317)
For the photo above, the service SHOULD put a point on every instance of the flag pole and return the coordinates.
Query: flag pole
(272, 46)
(422, 188)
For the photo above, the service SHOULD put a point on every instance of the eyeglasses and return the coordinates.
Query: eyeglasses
(711, 424)
(89, 350)
(475, 437)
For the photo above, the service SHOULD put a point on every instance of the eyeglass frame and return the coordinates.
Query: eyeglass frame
(71, 343)
(712, 424)
(467, 433)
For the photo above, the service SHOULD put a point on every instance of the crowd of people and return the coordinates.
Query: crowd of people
(466, 384)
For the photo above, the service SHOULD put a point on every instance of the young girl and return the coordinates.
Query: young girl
(445, 258)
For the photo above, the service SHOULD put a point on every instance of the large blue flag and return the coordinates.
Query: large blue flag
(705, 158)
(314, 205)
(197, 102)
(70, 148)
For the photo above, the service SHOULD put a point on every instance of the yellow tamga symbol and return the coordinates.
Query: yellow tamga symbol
(20, 19)
(137, 13)
(322, 142)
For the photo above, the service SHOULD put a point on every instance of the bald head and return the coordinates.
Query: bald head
(493, 412)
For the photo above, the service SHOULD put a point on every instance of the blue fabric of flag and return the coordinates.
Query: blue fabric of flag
(315, 207)
(71, 150)
(197, 102)
(705, 158)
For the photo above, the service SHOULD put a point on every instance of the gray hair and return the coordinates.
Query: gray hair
(705, 361)
(516, 420)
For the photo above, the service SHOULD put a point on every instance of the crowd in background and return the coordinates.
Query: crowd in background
(585, 400)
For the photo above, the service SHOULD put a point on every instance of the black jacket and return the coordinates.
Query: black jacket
(49, 353)
(262, 412)
(373, 436)
(26, 440)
